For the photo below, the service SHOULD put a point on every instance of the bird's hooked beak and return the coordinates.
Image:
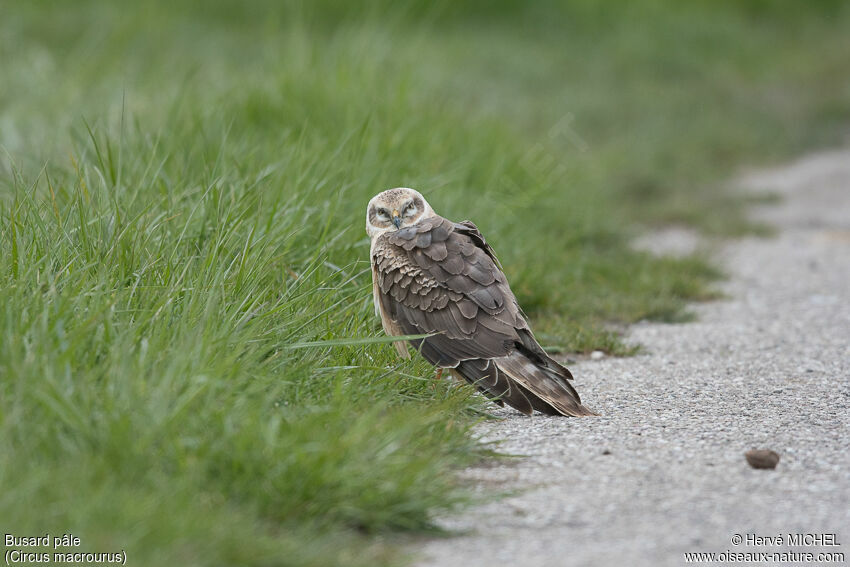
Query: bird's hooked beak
(396, 218)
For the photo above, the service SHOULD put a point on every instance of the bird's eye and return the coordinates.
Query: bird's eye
(409, 210)
(383, 215)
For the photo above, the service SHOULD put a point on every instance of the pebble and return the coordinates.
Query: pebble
(762, 458)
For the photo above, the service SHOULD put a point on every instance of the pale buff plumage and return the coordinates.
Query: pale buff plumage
(432, 275)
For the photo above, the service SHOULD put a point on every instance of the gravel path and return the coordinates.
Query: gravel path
(663, 471)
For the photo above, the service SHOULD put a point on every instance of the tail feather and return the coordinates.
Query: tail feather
(546, 380)
(537, 403)
(485, 375)
(526, 382)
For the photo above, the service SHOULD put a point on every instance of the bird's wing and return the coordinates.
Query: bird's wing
(390, 327)
(442, 277)
(433, 277)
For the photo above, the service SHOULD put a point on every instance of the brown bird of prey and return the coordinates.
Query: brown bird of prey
(434, 276)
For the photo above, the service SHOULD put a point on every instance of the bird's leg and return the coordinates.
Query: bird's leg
(437, 376)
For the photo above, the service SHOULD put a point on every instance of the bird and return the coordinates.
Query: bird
(435, 277)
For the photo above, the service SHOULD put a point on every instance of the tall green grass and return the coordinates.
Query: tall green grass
(182, 239)
(146, 326)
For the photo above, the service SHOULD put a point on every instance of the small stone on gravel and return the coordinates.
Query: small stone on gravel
(762, 458)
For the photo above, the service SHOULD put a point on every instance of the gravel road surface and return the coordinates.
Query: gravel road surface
(662, 472)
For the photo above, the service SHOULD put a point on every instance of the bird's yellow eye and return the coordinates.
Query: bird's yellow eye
(409, 210)
(383, 215)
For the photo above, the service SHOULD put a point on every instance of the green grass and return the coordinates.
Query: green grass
(182, 199)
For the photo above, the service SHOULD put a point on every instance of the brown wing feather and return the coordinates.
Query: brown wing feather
(442, 277)
(390, 327)
(473, 319)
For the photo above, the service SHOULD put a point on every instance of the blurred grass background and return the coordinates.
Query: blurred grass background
(182, 193)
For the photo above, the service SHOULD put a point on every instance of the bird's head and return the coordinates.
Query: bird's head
(395, 209)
